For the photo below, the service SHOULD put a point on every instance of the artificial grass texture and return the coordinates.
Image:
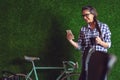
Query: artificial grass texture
(37, 28)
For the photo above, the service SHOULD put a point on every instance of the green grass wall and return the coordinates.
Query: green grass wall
(37, 28)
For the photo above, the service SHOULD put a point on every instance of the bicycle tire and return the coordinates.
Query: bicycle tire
(19, 77)
(72, 76)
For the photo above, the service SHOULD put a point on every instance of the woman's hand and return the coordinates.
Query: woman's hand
(69, 36)
(102, 43)
(98, 40)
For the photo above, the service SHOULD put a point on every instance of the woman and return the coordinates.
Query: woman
(94, 40)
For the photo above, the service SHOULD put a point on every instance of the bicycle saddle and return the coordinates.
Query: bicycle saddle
(31, 58)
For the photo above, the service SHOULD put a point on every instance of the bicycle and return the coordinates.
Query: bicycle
(67, 74)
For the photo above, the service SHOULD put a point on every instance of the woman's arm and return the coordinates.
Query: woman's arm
(102, 43)
(70, 38)
(106, 42)
(75, 44)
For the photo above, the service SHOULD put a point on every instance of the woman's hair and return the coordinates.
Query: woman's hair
(93, 11)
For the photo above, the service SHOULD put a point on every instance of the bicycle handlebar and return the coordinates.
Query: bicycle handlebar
(71, 63)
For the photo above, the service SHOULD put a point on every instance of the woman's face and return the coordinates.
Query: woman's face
(88, 17)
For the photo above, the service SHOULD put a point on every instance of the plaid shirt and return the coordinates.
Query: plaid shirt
(87, 37)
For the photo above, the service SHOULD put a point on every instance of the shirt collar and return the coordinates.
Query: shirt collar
(89, 25)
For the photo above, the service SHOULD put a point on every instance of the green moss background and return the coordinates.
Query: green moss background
(37, 28)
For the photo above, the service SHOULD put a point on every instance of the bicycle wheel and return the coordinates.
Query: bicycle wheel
(72, 76)
(19, 77)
